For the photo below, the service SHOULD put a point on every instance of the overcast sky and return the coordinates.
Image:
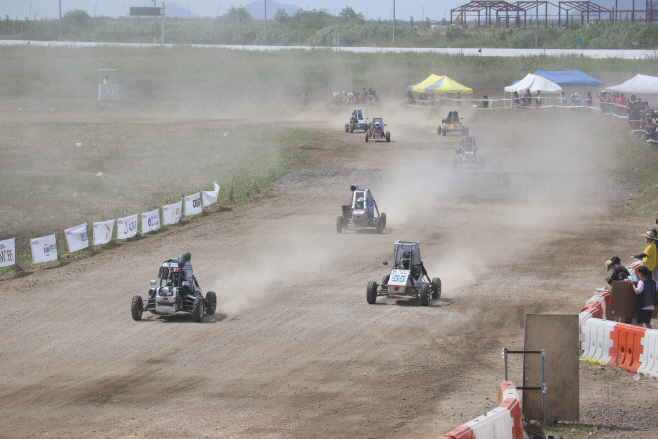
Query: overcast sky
(372, 8)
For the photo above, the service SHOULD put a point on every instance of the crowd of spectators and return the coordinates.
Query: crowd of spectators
(353, 97)
(645, 287)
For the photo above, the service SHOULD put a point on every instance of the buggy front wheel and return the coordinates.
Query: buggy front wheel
(137, 308)
(211, 302)
(425, 293)
(371, 292)
(197, 309)
(388, 136)
(366, 137)
(436, 288)
(383, 221)
(438, 131)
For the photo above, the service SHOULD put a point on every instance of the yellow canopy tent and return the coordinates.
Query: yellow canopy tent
(439, 84)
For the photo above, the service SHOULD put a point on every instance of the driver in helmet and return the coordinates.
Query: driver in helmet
(377, 126)
(405, 260)
(359, 203)
(174, 276)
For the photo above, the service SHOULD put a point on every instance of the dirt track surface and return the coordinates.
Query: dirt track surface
(294, 349)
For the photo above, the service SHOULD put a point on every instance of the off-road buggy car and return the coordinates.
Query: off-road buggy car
(466, 154)
(357, 121)
(376, 130)
(176, 290)
(452, 123)
(360, 213)
(406, 278)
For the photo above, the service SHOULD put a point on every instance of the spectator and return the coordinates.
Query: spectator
(578, 101)
(485, 101)
(619, 272)
(528, 98)
(538, 99)
(589, 102)
(646, 290)
(563, 100)
(649, 255)
(517, 101)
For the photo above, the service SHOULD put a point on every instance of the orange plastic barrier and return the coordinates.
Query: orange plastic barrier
(626, 346)
(606, 298)
(594, 307)
(515, 410)
(462, 432)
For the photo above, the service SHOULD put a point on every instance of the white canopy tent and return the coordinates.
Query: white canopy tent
(534, 83)
(638, 84)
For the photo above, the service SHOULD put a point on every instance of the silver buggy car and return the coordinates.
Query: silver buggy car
(176, 290)
(406, 277)
(360, 213)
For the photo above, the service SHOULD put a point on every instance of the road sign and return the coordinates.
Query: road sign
(579, 41)
(636, 42)
(336, 39)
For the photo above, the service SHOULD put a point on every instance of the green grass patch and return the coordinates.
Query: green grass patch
(49, 183)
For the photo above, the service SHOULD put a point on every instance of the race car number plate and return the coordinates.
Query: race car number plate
(398, 278)
(165, 308)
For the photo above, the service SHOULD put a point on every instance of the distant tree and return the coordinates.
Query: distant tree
(348, 14)
(281, 16)
(411, 21)
(240, 13)
(76, 17)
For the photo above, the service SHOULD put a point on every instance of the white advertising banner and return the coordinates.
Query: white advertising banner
(76, 238)
(151, 221)
(127, 227)
(171, 213)
(103, 232)
(44, 249)
(193, 204)
(210, 197)
(7, 252)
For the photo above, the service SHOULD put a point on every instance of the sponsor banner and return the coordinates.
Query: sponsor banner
(150, 221)
(171, 213)
(7, 252)
(210, 197)
(127, 227)
(193, 204)
(44, 249)
(103, 232)
(76, 238)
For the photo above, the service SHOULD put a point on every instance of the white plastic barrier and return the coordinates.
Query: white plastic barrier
(583, 334)
(648, 360)
(496, 423)
(597, 332)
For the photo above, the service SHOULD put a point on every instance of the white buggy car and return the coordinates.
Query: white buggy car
(176, 290)
(406, 278)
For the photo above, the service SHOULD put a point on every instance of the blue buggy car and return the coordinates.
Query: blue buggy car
(357, 121)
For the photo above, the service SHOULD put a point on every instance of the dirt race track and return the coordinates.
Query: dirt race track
(294, 349)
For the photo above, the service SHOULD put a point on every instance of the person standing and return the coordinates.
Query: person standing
(563, 100)
(646, 290)
(538, 99)
(619, 272)
(649, 255)
(589, 102)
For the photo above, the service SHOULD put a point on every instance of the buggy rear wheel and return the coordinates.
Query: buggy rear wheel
(211, 302)
(383, 220)
(347, 127)
(388, 136)
(385, 279)
(371, 292)
(425, 293)
(136, 308)
(378, 225)
(444, 132)
(366, 137)
(438, 131)
(436, 288)
(197, 309)
(339, 224)
(351, 128)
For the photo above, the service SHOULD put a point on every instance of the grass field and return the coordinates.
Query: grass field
(49, 183)
(219, 76)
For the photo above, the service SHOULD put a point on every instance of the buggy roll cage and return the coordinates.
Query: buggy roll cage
(365, 193)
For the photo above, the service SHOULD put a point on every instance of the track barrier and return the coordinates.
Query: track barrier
(502, 422)
(626, 346)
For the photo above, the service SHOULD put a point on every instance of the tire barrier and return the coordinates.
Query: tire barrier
(502, 422)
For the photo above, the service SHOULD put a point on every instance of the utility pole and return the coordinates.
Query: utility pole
(536, 23)
(394, 22)
(163, 24)
(60, 19)
(265, 20)
(155, 18)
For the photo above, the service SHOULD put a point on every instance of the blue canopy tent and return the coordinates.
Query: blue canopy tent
(569, 78)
